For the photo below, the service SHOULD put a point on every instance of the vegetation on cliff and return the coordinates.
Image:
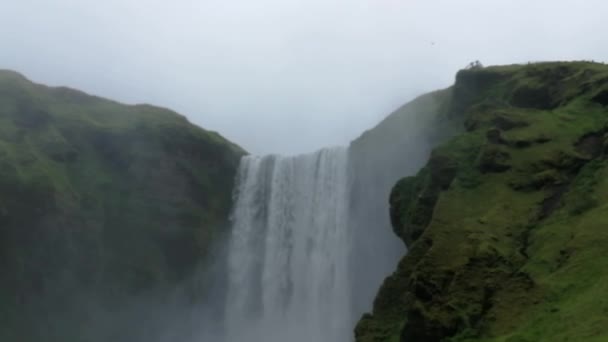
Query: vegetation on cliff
(397, 146)
(506, 224)
(99, 202)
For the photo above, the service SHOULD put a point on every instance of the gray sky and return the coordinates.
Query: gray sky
(286, 76)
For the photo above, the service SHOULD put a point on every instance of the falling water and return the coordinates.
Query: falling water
(288, 276)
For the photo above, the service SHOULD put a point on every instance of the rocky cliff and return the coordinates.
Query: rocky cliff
(398, 146)
(506, 224)
(100, 203)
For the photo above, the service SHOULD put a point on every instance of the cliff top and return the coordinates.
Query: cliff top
(505, 224)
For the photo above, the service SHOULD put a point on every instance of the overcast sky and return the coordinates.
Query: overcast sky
(286, 76)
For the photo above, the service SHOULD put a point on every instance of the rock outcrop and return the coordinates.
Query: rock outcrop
(506, 225)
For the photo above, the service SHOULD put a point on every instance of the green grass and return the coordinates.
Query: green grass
(514, 250)
(101, 199)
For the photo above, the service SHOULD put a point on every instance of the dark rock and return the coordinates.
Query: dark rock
(538, 181)
(506, 123)
(561, 160)
(443, 170)
(493, 159)
(521, 143)
(537, 98)
(469, 86)
(420, 327)
(526, 143)
(601, 98)
(591, 144)
(552, 201)
(494, 136)
(542, 139)
(413, 199)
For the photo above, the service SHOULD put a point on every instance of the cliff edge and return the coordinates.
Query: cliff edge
(506, 224)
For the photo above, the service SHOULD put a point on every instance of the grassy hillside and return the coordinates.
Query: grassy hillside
(398, 146)
(99, 200)
(507, 222)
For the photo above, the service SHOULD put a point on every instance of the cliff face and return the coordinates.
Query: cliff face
(506, 224)
(99, 202)
(398, 146)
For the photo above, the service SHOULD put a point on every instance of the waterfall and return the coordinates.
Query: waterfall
(288, 262)
(311, 237)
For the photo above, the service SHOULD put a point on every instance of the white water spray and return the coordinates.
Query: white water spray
(288, 276)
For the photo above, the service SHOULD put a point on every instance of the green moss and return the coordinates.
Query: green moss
(101, 200)
(512, 248)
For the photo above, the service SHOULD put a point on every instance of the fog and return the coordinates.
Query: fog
(278, 76)
(285, 76)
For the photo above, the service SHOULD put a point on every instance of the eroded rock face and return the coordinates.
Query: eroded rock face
(601, 98)
(417, 198)
(491, 237)
(493, 159)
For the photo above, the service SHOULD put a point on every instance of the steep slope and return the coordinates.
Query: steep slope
(398, 146)
(99, 202)
(506, 224)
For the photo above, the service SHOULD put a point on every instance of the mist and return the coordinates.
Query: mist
(289, 77)
(285, 76)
